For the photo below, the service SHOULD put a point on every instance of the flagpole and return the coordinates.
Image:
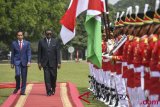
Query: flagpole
(108, 22)
(104, 20)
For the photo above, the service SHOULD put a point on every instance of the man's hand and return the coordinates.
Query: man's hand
(12, 66)
(107, 56)
(59, 66)
(147, 69)
(39, 66)
(29, 64)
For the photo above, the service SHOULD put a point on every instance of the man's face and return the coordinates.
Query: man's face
(158, 30)
(130, 30)
(20, 36)
(137, 31)
(103, 36)
(48, 34)
(151, 30)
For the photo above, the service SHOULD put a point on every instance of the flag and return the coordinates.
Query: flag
(92, 25)
(68, 21)
(93, 28)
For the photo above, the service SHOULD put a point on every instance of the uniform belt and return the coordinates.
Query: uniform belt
(139, 69)
(130, 66)
(124, 63)
(118, 62)
(105, 60)
(146, 69)
(155, 74)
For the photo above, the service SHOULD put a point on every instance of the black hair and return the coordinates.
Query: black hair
(123, 18)
(48, 30)
(19, 31)
(150, 14)
(158, 11)
(128, 16)
(118, 19)
(140, 15)
(111, 29)
(133, 15)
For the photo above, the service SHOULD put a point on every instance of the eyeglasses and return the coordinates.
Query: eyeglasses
(49, 34)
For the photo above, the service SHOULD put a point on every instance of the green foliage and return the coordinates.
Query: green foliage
(123, 4)
(3, 47)
(34, 16)
(112, 12)
(31, 16)
(34, 46)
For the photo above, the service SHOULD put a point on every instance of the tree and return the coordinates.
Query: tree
(31, 16)
(123, 4)
(34, 16)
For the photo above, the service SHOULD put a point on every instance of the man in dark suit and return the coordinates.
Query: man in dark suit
(20, 59)
(49, 59)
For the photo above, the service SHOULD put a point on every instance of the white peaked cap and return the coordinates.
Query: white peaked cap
(146, 8)
(136, 10)
(157, 5)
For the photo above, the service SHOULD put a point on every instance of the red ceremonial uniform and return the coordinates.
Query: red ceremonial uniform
(145, 61)
(117, 57)
(124, 58)
(104, 59)
(154, 80)
(137, 60)
(154, 56)
(130, 56)
(158, 46)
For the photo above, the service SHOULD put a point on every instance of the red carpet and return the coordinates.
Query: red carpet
(66, 96)
(38, 98)
(7, 85)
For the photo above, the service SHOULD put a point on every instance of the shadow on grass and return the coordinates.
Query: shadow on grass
(93, 101)
(4, 93)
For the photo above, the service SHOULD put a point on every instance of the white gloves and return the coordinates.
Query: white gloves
(107, 56)
(103, 53)
(147, 69)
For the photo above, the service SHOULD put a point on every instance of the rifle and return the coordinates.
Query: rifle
(118, 44)
(107, 31)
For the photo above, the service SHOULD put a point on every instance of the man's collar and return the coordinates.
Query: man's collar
(20, 41)
(48, 39)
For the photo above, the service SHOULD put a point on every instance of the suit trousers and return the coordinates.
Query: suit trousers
(21, 70)
(50, 77)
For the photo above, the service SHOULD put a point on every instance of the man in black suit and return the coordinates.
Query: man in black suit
(49, 59)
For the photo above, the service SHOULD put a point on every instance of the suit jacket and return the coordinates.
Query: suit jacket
(20, 55)
(49, 54)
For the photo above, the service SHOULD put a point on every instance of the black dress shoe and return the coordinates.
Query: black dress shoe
(15, 91)
(53, 91)
(49, 93)
(22, 94)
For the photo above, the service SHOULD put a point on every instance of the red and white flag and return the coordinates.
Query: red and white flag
(68, 21)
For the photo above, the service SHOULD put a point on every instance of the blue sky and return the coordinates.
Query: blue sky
(113, 1)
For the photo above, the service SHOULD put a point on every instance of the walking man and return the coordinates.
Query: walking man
(49, 59)
(20, 59)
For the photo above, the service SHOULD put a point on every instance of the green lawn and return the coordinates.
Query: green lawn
(76, 73)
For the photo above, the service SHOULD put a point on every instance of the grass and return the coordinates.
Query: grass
(76, 73)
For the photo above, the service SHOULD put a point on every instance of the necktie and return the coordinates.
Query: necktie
(48, 42)
(20, 45)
